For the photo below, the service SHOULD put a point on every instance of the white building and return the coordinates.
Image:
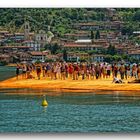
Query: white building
(98, 58)
(38, 56)
(135, 54)
(33, 44)
(83, 41)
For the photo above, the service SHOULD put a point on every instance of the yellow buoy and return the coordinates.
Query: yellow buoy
(44, 103)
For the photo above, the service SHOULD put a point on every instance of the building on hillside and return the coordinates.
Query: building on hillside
(23, 56)
(38, 56)
(5, 58)
(74, 57)
(77, 56)
(18, 37)
(82, 47)
(4, 33)
(104, 25)
(41, 38)
(135, 54)
(33, 44)
(97, 58)
(8, 49)
(102, 42)
(83, 41)
(76, 36)
(87, 26)
(112, 15)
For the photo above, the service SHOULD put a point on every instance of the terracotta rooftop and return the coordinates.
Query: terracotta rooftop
(38, 53)
(134, 52)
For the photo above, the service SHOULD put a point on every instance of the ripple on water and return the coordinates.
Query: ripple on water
(69, 113)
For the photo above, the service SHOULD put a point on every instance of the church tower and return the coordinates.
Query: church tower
(26, 30)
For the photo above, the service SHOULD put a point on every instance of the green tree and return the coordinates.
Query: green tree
(125, 57)
(108, 58)
(49, 60)
(117, 58)
(136, 16)
(65, 55)
(54, 48)
(111, 50)
(83, 60)
(127, 30)
(97, 35)
(92, 36)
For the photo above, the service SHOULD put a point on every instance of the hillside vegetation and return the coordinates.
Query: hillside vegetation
(61, 19)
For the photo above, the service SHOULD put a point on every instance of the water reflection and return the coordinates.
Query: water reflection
(44, 109)
(98, 97)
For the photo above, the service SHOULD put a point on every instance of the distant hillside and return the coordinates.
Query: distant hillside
(61, 19)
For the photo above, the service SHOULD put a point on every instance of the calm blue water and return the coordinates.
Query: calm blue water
(7, 72)
(69, 113)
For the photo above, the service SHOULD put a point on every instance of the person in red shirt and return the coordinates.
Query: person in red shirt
(70, 70)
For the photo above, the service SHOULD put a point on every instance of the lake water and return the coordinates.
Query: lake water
(68, 112)
(7, 72)
(88, 112)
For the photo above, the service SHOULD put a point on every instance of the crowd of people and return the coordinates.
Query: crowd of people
(76, 71)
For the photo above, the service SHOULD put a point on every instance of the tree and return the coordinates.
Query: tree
(108, 58)
(91, 52)
(65, 55)
(49, 60)
(125, 56)
(54, 48)
(92, 36)
(127, 30)
(111, 50)
(83, 60)
(97, 36)
(117, 58)
(136, 16)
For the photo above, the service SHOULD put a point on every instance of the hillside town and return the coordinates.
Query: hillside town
(89, 42)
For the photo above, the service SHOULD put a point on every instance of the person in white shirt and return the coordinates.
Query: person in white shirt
(116, 80)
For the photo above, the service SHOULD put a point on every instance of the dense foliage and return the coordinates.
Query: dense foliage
(61, 19)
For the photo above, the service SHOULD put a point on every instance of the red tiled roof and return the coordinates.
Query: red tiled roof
(134, 52)
(37, 53)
